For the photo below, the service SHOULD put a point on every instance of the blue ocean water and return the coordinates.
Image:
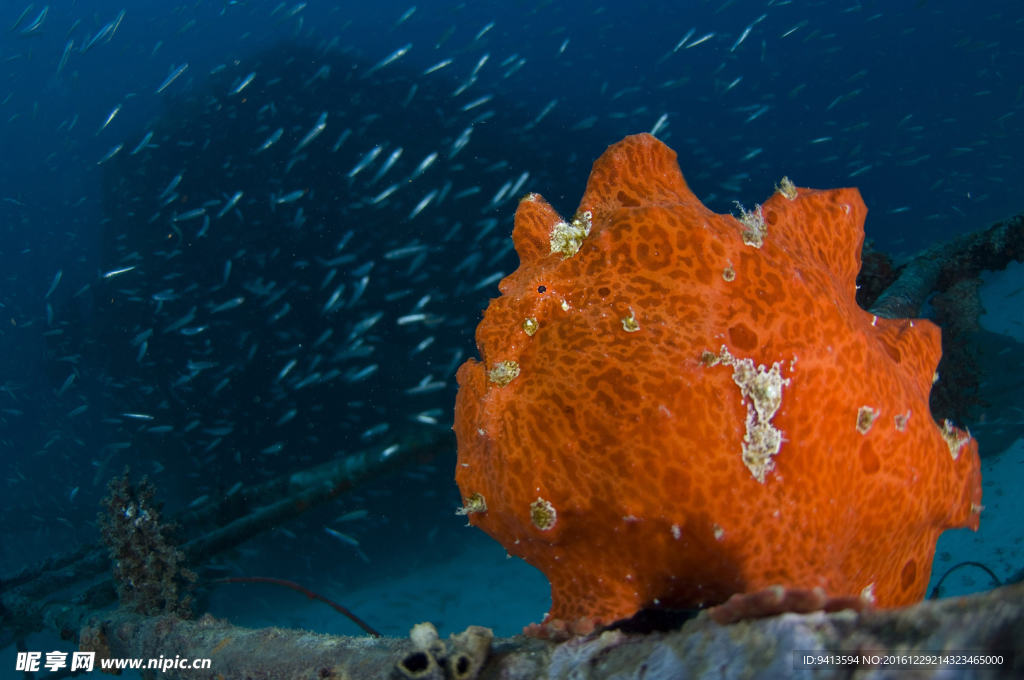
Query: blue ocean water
(324, 311)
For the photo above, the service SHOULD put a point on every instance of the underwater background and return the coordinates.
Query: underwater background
(240, 240)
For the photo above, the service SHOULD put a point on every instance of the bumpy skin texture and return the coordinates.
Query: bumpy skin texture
(637, 443)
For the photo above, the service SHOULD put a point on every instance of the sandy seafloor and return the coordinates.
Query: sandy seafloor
(482, 586)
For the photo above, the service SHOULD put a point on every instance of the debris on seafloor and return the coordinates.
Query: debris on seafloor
(763, 648)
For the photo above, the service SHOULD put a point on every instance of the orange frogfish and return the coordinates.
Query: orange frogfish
(673, 406)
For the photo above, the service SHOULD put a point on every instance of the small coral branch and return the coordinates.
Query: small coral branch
(148, 570)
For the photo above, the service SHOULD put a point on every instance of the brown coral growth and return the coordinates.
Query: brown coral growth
(148, 569)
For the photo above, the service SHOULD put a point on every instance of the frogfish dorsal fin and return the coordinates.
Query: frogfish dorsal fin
(638, 171)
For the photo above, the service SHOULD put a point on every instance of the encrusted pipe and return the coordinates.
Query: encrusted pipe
(905, 298)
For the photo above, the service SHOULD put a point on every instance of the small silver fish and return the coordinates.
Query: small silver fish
(232, 202)
(428, 384)
(743, 36)
(288, 367)
(230, 304)
(53, 286)
(362, 374)
(117, 272)
(365, 325)
(64, 57)
(370, 156)
(397, 54)
(478, 102)
(321, 125)
(408, 13)
(423, 345)
(391, 160)
(102, 33)
(703, 39)
(21, 17)
(270, 140)
(545, 111)
(341, 139)
(242, 85)
(686, 37)
(329, 307)
(292, 12)
(289, 198)
(460, 143)
(165, 295)
(437, 66)
(37, 25)
(170, 187)
(384, 194)
(142, 337)
(380, 428)
(483, 30)
(355, 514)
(170, 79)
(344, 538)
(110, 154)
(183, 321)
(322, 74)
(424, 164)
(190, 215)
(404, 252)
(142, 144)
(660, 125)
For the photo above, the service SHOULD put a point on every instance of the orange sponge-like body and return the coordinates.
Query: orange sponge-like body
(674, 406)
